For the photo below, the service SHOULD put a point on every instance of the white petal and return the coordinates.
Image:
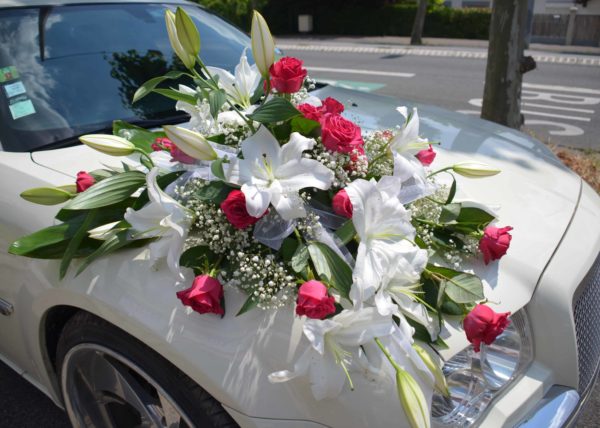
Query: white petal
(315, 331)
(288, 205)
(327, 378)
(361, 326)
(261, 144)
(301, 173)
(300, 368)
(226, 79)
(295, 146)
(257, 200)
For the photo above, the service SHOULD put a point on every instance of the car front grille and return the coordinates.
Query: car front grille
(587, 326)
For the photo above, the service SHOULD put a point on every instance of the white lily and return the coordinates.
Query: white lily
(396, 293)
(333, 343)
(382, 224)
(241, 86)
(405, 144)
(274, 174)
(263, 47)
(191, 143)
(163, 218)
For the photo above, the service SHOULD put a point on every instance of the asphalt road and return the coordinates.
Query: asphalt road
(561, 101)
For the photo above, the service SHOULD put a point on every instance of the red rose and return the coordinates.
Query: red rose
(310, 112)
(204, 296)
(341, 204)
(84, 180)
(287, 75)
(427, 156)
(313, 300)
(495, 242)
(234, 208)
(482, 324)
(340, 135)
(162, 143)
(331, 105)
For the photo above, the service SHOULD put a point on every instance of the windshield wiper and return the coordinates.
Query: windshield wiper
(142, 123)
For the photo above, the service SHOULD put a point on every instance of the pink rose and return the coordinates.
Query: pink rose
(340, 135)
(163, 143)
(331, 105)
(495, 242)
(310, 112)
(204, 296)
(84, 181)
(313, 300)
(427, 156)
(482, 324)
(287, 75)
(234, 208)
(341, 204)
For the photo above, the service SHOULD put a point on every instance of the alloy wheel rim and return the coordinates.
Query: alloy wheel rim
(102, 388)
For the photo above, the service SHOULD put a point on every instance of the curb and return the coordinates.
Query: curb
(451, 53)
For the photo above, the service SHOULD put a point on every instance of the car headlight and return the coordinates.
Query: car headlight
(474, 379)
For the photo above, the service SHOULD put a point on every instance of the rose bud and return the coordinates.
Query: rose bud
(340, 135)
(482, 324)
(427, 156)
(84, 180)
(234, 208)
(495, 242)
(341, 204)
(331, 105)
(310, 112)
(204, 296)
(313, 300)
(287, 75)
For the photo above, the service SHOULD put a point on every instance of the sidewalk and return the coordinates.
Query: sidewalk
(404, 42)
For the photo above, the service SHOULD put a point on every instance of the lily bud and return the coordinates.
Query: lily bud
(187, 33)
(412, 400)
(187, 59)
(434, 368)
(46, 195)
(191, 143)
(108, 144)
(104, 232)
(71, 188)
(263, 47)
(475, 169)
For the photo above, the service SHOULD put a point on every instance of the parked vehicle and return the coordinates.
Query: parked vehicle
(114, 346)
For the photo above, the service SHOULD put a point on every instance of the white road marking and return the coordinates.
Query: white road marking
(577, 110)
(559, 98)
(354, 71)
(562, 88)
(565, 129)
(560, 116)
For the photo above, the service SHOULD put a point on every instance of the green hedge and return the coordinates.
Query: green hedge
(389, 20)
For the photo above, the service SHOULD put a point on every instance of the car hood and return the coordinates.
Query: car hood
(535, 193)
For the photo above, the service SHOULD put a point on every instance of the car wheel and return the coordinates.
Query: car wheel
(110, 379)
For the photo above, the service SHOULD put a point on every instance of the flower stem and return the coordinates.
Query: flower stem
(388, 355)
(448, 168)
(145, 155)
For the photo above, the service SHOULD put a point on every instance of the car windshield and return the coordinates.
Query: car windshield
(70, 70)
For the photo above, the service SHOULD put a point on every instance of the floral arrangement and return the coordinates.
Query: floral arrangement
(271, 190)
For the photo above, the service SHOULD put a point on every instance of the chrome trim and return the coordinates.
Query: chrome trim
(554, 410)
(6, 308)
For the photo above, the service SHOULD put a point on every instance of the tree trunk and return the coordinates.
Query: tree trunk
(503, 76)
(417, 30)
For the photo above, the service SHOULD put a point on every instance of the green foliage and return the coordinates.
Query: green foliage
(238, 12)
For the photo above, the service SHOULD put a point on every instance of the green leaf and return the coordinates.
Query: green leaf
(44, 242)
(450, 213)
(346, 232)
(475, 216)
(109, 246)
(219, 138)
(109, 191)
(300, 259)
(197, 256)
(452, 191)
(176, 95)
(74, 243)
(248, 304)
(304, 126)
(258, 92)
(331, 268)
(140, 137)
(216, 99)
(275, 110)
(461, 287)
(288, 249)
(215, 192)
(149, 86)
(216, 167)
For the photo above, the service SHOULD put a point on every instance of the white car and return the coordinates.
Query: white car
(114, 346)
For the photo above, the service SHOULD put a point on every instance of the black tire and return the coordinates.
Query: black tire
(86, 330)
